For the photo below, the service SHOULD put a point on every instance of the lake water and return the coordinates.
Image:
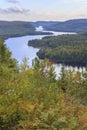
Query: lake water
(20, 49)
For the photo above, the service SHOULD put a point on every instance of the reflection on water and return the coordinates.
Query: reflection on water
(59, 66)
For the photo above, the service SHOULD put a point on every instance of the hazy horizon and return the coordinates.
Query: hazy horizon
(43, 20)
(46, 10)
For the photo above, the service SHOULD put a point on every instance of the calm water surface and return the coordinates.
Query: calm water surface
(20, 49)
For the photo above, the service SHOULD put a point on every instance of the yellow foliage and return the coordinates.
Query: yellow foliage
(83, 118)
(31, 71)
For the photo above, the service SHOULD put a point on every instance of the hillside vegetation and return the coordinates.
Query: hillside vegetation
(17, 28)
(67, 49)
(33, 99)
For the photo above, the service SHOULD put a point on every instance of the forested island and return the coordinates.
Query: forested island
(33, 99)
(70, 49)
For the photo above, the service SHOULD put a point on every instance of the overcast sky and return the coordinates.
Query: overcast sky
(33, 10)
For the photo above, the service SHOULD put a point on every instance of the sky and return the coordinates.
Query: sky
(38, 10)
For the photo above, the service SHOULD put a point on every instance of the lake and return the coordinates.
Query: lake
(20, 49)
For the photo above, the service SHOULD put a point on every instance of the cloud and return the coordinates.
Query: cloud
(14, 10)
(13, 1)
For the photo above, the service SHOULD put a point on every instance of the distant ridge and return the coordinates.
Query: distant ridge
(21, 28)
(17, 28)
(74, 25)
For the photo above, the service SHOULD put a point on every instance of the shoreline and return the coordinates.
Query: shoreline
(5, 37)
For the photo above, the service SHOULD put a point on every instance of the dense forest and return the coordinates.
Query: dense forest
(68, 49)
(17, 28)
(33, 99)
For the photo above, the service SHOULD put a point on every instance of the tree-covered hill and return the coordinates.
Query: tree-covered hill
(21, 28)
(17, 28)
(67, 49)
(33, 99)
(45, 24)
(75, 25)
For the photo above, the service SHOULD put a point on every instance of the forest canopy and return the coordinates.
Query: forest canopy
(33, 99)
(69, 49)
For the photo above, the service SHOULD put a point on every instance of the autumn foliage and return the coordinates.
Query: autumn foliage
(33, 99)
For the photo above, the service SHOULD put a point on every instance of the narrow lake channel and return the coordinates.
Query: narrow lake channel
(20, 49)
